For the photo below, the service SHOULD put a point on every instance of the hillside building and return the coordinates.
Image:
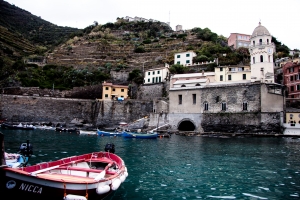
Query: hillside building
(114, 92)
(156, 75)
(291, 79)
(232, 73)
(184, 58)
(237, 40)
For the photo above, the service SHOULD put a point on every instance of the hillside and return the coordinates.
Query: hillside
(76, 58)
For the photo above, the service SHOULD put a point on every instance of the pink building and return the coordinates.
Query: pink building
(238, 40)
(291, 80)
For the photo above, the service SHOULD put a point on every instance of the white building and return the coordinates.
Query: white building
(184, 58)
(261, 52)
(156, 75)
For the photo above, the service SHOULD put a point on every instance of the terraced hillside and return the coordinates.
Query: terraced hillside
(119, 49)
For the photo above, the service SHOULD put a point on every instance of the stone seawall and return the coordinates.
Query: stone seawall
(17, 108)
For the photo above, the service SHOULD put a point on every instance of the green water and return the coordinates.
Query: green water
(184, 167)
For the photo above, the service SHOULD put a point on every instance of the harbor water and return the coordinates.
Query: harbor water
(183, 167)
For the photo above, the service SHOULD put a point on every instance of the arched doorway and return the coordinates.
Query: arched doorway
(186, 125)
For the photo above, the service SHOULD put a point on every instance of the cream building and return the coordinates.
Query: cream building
(156, 75)
(184, 58)
(192, 79)
(232, 73)
(261, 52)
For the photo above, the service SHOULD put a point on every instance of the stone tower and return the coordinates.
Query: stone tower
(261, 52)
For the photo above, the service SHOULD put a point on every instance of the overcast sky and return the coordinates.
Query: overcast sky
(223, 17)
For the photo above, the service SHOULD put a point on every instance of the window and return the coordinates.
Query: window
(291, 116)
(221, 77)
(194, 98)
(253, 60)
(291, 78)
(187, 55)
(178, 62)
(114, 89)
(269, 58)
(156, 79)
(245, 106)
(122, 90)
(178, 56)
(241, 69)
(180, 99)
(229, 77)
(205, 106)
(244, 77)
(223, 106)
(187, 61)
(159, 79)
(260, 41)
(148, 80)
(267, 41)
(298, 87)
(148, 73)
(253, 43)
(106, 95)
(221, 69)
(292, 88)
(183, 86)
(198, 84)
(153, 80)
(291, 69)
(153, 72)
(106, 88)
(261, 58)
(158, 72)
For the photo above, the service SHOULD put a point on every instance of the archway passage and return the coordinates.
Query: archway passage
(186, 126)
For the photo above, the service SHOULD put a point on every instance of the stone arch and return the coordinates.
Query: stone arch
(186, 125)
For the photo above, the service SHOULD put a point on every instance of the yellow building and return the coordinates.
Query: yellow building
(232, 73)
(292, 116)
(114, 92)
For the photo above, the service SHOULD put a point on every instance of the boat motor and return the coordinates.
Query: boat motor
(26, 149)
(110, 147)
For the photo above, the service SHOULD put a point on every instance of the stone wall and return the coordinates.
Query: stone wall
(152, 91)
(17, 108)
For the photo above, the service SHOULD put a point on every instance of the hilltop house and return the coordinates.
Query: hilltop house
(156, 75)
(114, 92)
(237, 40)
(184, 58)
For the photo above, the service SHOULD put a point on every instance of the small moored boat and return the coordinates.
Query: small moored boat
(140, 135)
(89, 176)
(106, 133)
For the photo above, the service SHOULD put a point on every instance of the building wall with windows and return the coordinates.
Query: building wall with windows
(235, 105)
(238, 40)
(291, 79)
(112, 92)
(156, 75)
(232, 73)
(184, 58)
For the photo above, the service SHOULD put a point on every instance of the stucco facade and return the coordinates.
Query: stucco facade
(110, 91)
(237, 40)
(232, 73)
(156, 75)
(261, 53)
(184, 58)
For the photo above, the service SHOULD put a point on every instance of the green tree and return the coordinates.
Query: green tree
(178, 69)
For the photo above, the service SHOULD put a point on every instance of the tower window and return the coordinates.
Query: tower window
(229, 77)
(253, 60)
(253, 43)
(261, 58)
(260, 41)
(194, 98)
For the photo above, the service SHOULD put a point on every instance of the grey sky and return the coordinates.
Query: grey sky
(220, 16)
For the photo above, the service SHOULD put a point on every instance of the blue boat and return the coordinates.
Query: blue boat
(140, 135)
(106, 133)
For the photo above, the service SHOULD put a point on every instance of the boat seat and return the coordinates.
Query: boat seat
(81, 164)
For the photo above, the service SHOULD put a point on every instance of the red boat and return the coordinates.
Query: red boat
(90, 176)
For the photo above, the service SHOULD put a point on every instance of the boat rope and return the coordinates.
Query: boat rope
(65, 190)
(87, 194)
